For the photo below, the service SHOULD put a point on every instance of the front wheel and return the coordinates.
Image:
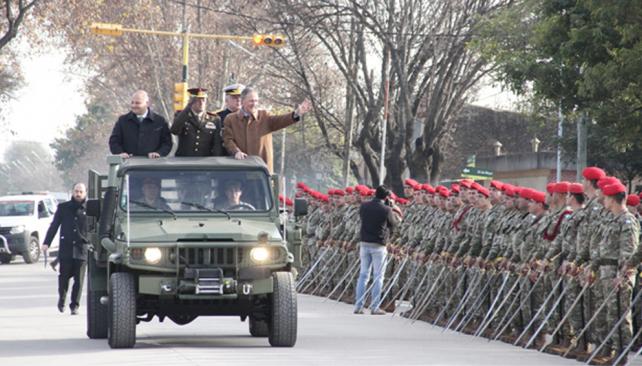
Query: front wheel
(283, 312)
(258, 328)
(122, 310)
(33, 251)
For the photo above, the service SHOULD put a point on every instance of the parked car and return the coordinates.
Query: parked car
(24, 220)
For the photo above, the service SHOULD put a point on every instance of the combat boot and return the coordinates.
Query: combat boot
(605, 357)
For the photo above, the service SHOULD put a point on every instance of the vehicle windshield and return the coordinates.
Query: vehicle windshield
(175, 191)
(16, 208)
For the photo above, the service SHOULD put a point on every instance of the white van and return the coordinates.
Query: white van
(24, 220)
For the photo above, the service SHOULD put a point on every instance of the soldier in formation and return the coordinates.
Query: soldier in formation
(555, 270)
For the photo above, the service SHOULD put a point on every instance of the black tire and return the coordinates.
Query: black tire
(122, 311)
(6, 258)
(33, 251)
(283, 312)
(97, 313)
(259, 328)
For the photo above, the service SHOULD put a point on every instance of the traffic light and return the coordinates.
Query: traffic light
(180, 96)
(269, 40)
(107, 29)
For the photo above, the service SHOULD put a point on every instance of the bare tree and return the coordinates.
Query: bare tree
(419, 47)
(14, 15)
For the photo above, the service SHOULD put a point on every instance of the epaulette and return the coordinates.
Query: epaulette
(215, 113)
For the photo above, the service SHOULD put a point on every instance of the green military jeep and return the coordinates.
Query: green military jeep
(185, 237)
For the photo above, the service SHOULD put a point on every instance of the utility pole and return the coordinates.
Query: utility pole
(560, 134)
(386, 97)
(349, 108)
(581, 145)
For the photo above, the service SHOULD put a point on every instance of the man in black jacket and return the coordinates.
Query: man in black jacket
(378, 218)
(140, 132)
(71, 218)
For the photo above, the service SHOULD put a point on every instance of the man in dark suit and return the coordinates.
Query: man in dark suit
(140, 132)
(71, 218)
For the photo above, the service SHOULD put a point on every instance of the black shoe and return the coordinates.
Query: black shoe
(61, 306)
(74, 311)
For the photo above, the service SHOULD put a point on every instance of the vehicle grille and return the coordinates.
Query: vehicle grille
(220, 257)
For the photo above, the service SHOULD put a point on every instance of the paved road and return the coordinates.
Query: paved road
(32, 332)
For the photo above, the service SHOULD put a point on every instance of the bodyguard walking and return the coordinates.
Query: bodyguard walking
(71, 218)
(378, 218)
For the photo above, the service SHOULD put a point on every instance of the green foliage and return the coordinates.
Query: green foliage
(583, 55)
(84, 146)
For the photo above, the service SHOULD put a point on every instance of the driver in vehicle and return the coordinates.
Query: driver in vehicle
(151, 195)
(231, 197)
(194, 193)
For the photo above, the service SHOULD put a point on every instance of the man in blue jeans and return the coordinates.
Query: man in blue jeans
(378, 218)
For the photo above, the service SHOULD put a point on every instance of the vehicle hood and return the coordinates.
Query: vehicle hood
(6, 221)
(186, 229)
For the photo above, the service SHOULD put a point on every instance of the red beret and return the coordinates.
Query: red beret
(475, 186)
(410, 182)
(561, 187)
(539, 197)
(607, 181)
(550, 188)
(428, 188)
(525, 193)
(466, 183)
(613, 189)
(393, 196)
(593, 173)
(484, 191)
(496, 184)
(576, 188)
(509, 190)
(371, 192)
(281, 198)
(455, 188)
(331, 192)
(444, 192)
(338, 192)
(301, 185)
(349, 189)
(289, 202)
(325, 198)
(632, 200)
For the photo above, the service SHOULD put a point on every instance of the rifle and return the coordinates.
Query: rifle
(351, 268)
(426, 299)
(450, 299)
(464, 300)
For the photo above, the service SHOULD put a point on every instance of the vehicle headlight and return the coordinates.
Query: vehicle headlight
(153, 255)
(17, 229)
(259, 254)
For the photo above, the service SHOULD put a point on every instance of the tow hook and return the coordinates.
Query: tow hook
(247, 288)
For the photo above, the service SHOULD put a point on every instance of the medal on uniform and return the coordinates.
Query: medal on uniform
(210, 126)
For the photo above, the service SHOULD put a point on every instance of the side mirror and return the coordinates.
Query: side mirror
(93, 208)
(300, 207)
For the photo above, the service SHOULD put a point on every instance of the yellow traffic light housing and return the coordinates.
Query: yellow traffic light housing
(180, 96)
(107, 29)
(269, 40)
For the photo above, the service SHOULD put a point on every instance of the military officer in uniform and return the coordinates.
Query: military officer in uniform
(232, 101)
(198, 131)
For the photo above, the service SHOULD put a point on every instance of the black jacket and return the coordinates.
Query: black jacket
(71, 218)
(140, 138)
(376, 217)
(198, 136)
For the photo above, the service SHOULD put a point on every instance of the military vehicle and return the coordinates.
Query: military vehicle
(185, 237)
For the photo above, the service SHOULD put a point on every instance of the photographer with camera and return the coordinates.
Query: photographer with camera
(379, 217)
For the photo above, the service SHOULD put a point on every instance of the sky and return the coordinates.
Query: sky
(52, 97)
(48, 102)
